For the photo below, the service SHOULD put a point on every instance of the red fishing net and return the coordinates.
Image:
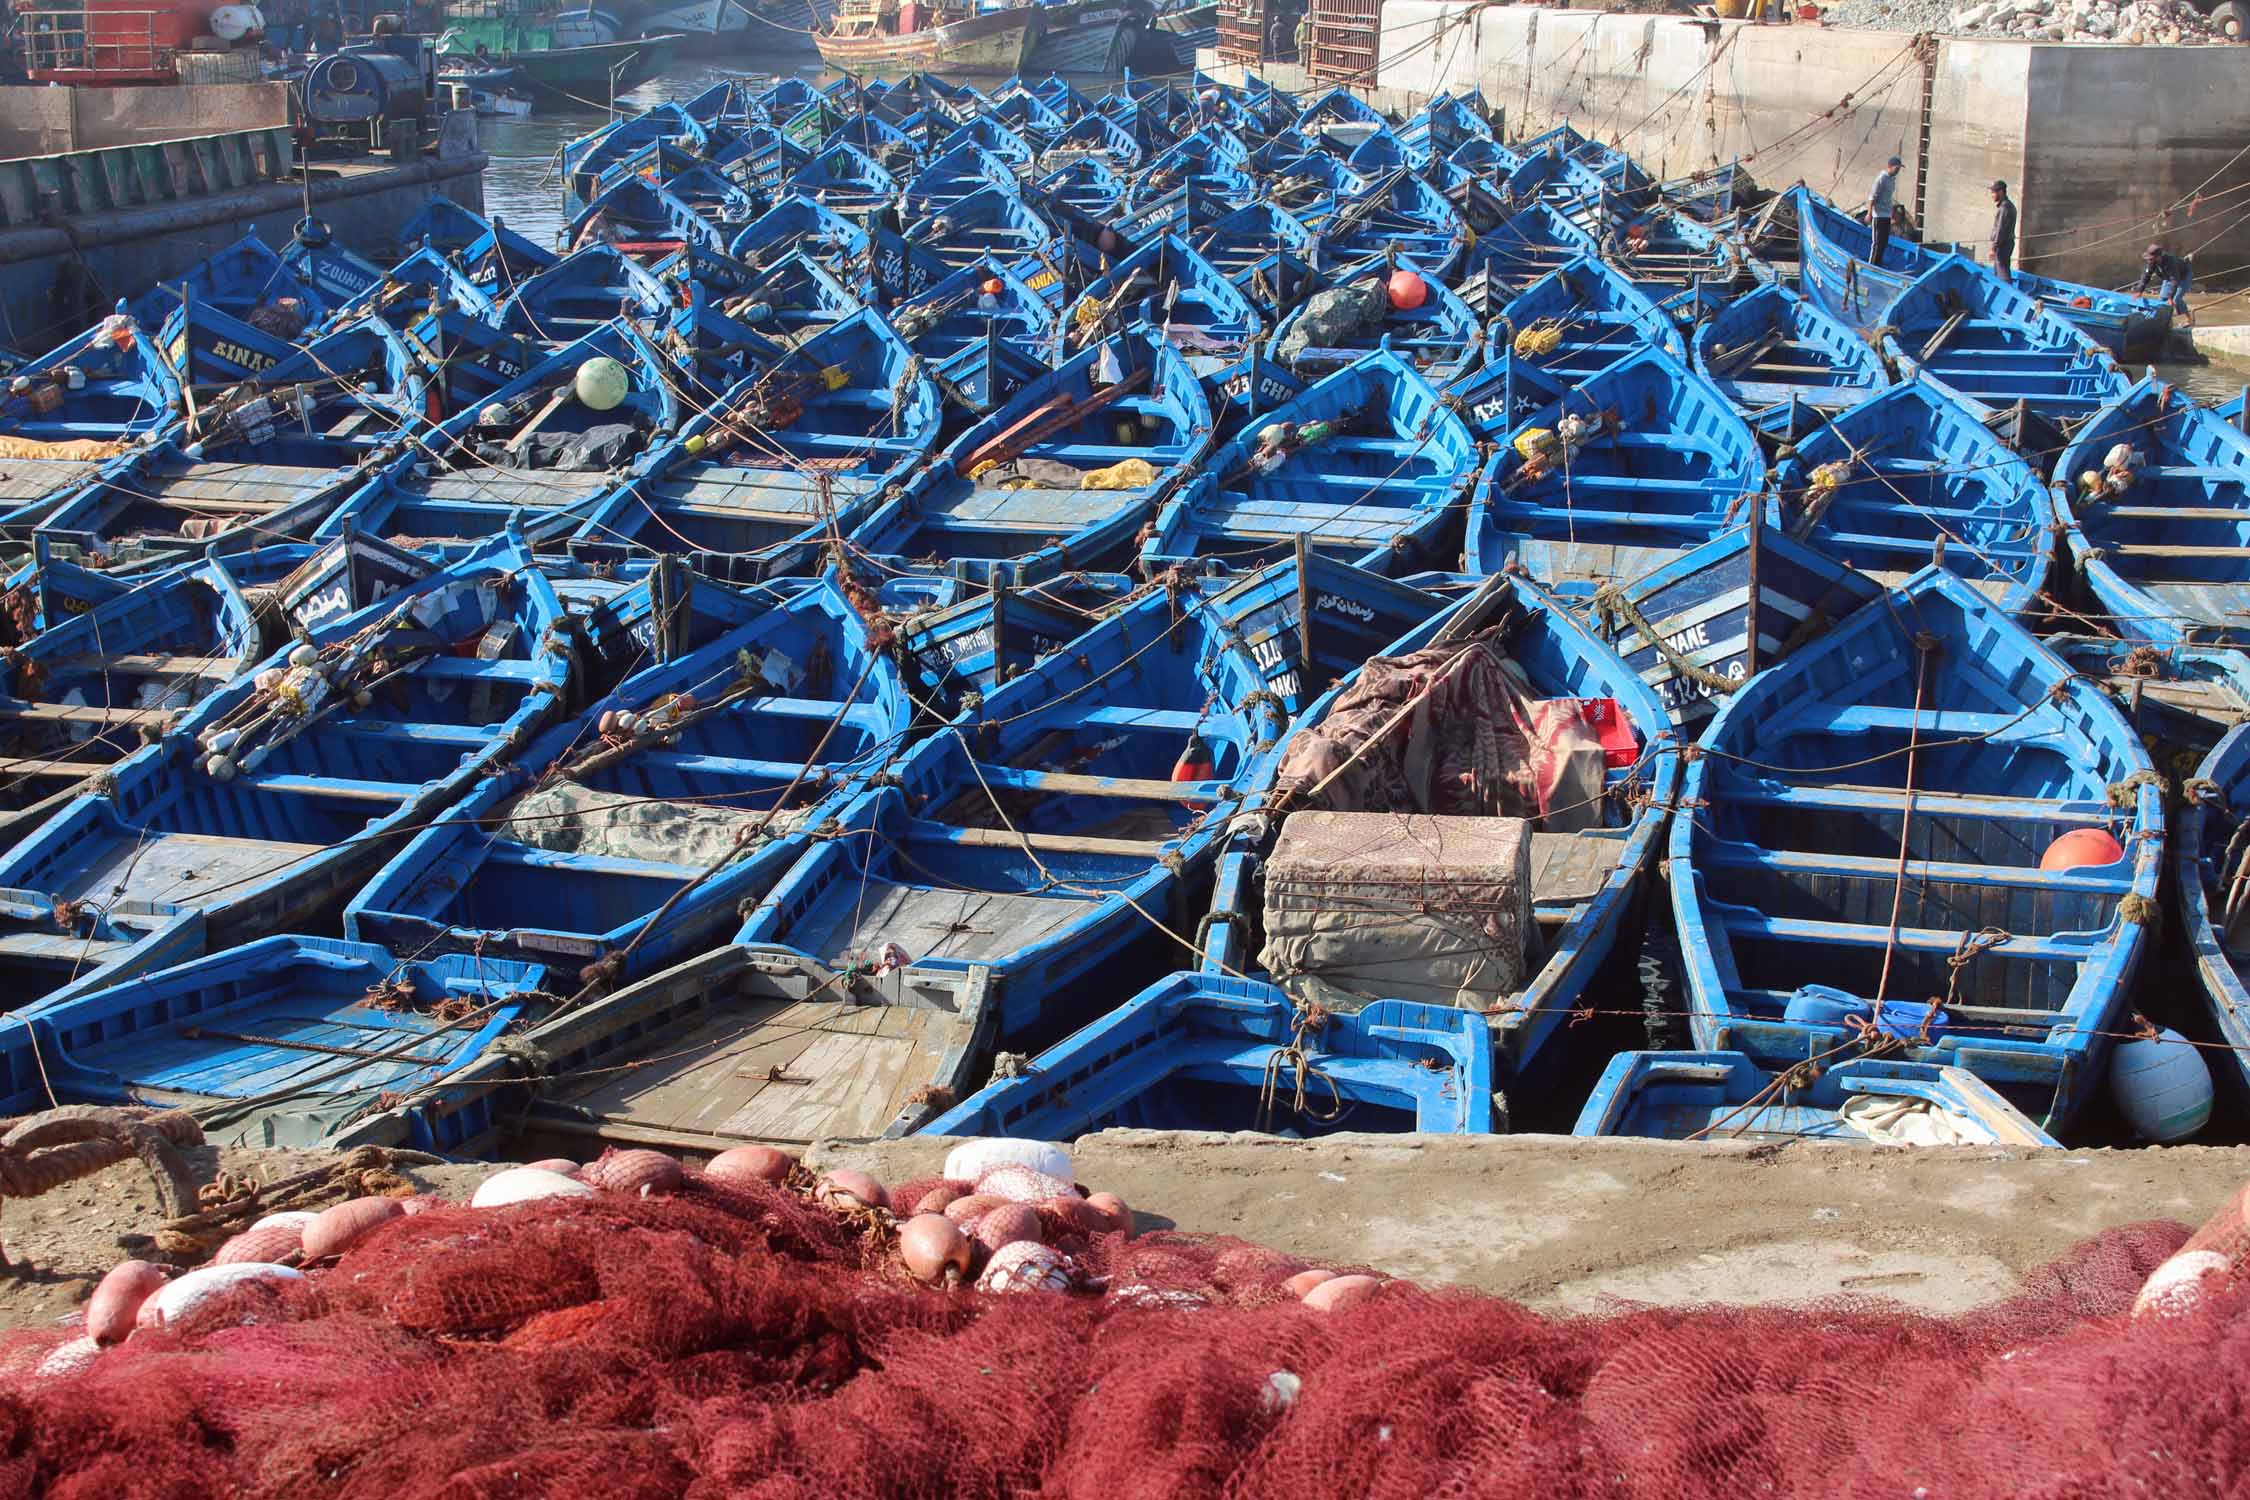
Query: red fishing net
(742, 1343)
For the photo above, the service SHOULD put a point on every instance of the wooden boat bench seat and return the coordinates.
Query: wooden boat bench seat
(1063, 783)
(341, 788)
(1162, 720)
(132, 664)
(1934, 941)
(1758, 792)
(1731, 855)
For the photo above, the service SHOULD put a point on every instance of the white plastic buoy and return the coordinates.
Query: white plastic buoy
(601, 383)
(2162, 1087)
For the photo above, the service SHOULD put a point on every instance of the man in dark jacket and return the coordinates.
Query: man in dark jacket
(1882, 209)
(2169, 276)
(2003, 231)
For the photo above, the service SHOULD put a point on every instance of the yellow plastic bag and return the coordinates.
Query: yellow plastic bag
(1126, 474)
(1534, 443)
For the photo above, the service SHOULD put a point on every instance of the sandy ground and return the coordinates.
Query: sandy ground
(61, 1243)
(1560, 1223)
(1565, 1224)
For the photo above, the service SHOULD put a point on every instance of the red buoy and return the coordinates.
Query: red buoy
(1195, 762)
(2082, 848)
(1407, 291)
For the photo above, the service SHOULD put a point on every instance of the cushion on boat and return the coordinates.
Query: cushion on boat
(1369, 906)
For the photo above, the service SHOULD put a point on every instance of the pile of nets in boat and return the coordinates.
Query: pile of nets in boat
(764, 1339)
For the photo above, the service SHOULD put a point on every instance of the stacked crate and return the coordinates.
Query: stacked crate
(1258, 31)
(1346, 34)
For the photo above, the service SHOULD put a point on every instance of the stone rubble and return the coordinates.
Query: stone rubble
(2169, 23)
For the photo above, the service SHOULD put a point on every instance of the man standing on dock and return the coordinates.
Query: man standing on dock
(1882, 208)
(2003, 231)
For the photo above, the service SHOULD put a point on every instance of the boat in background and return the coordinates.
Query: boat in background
(283, 1041)
(1927, 728)
(2154, 494)
(1909, 475)
(1198, 1052)
(1864, 1101)
(1783, 361)
(1366, 465)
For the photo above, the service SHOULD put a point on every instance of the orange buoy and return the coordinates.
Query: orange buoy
(2082, 848)
(1407, 291)
(992, 286)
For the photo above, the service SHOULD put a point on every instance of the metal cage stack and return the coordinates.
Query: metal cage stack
(1346, 36)
(1258, 31)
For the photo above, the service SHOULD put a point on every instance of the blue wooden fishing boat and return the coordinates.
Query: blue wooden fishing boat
(979, 333)
(954, 175)
(731, 310)
(1587, 857)
(1703, 624)
(1637, 465)
(1263, 249)
(534, 453)
(988, 133)
(1781, 360)
(1910, 473)
(1530, 243)
(117, 663)
(241, 278)
(1168, 286)
(1440, 337)
(799, 225)
(1441, 127)
(1087, 184)
(1094, 134)
(106, 386)
(592, 160)
(1200, 1051)
(1663, 252)
(1042, 835)
(1060, 478)
(279, 436)
(794, 454)
(1308, 184)
(581, 293)
(2154, 494)
(1832, 265)
(968, 643)
(2208, 690)
(427, 285)
(492, 254)
(1724, 1096)
(1864, 872)
(639, 839)
(993, 221)
(278, 793)
(1367, 465)
(1399, 212)
(637, 210)
(846, 180)
(1994, 348)
(1508, 392)
(1714, 195)
(281, 1042)
(1580, 319)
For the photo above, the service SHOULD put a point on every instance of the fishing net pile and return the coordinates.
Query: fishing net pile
(746, 1339)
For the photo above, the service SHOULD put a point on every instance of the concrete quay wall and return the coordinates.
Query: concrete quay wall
(55, 279)
(2093, 140)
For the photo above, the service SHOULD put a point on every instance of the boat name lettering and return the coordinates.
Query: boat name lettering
(343, 278)
(1339, 605)
(248, 359)
(1689, 639)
